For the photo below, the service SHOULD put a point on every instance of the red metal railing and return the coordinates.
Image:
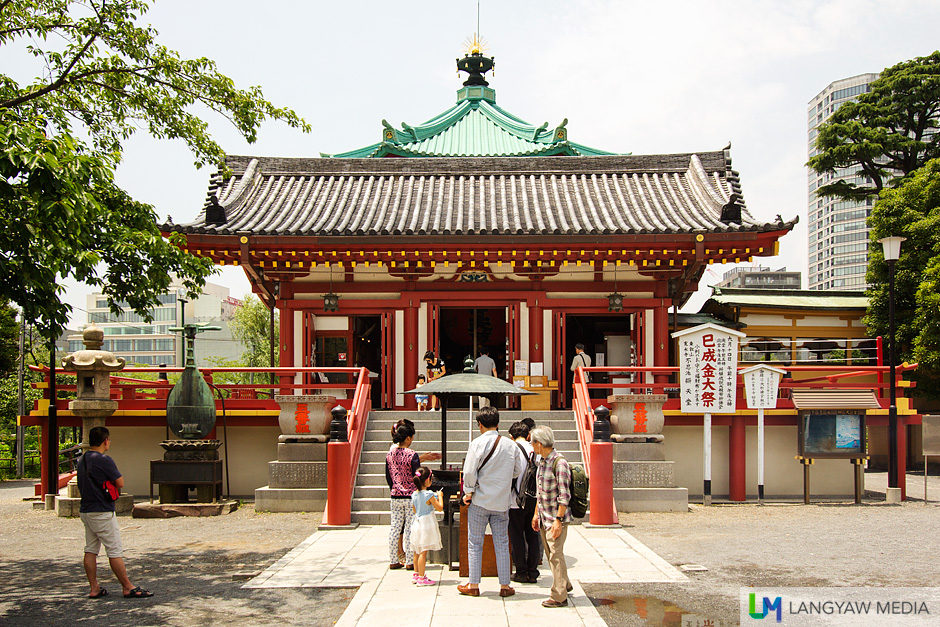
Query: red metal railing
(356, 421)
(134, 393)
(829, 377)
(147, 397)
(584, 417)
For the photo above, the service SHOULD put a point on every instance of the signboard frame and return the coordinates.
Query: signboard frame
(830, 418)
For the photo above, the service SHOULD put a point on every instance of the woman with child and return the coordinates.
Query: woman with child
(401, 464)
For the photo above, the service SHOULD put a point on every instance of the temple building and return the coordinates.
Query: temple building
(477, 229)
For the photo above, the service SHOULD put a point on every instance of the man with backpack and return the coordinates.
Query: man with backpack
(552, 513)
(525, 542)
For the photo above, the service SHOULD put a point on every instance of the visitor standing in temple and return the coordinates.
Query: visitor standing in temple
(98, 516)
(552, 516)
(401, 464)
(436, 370)
(491, 464)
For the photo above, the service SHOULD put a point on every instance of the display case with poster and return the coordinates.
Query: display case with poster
(836, 434)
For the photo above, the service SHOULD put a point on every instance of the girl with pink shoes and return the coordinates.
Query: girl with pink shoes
(425, 534)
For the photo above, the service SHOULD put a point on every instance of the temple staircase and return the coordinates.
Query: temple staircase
(370, 504)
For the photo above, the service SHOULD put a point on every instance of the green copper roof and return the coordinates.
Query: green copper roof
(474, 127)
(790, 299)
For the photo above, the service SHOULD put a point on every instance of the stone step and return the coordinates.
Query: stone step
(504, 414)
(455, 453)
(370, 504)
(652, 499)
(431, 441)
(376, 517)
(372, 518)
(268, 499)
(383, 431)
(371, 491)
(378, 467)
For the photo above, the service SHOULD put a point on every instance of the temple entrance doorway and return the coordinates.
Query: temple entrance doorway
(608, 340)
(465, 330)
(367, 351)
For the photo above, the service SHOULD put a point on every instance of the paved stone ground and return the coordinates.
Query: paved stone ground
(188, 563)
(826, 544)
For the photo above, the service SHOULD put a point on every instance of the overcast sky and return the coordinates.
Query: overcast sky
(630, 76)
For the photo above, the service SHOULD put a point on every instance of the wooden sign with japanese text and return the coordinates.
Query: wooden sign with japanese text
(708, 364)
(760, 385)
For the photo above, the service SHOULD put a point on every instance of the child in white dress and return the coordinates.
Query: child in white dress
(425, 534)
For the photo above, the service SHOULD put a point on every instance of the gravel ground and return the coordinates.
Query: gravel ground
(188, 563)
(826, 544)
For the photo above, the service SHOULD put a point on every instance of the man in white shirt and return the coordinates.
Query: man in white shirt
(492, 463)
(484, 364)
(582, 360)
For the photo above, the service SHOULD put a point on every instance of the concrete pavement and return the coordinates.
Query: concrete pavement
(348, 558)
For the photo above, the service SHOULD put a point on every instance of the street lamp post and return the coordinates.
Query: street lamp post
(180, 293)
(892, 251)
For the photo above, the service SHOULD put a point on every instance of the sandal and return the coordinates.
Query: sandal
(101, 593)
(138, 593)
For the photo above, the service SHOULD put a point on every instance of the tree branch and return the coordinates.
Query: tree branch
(13, 102)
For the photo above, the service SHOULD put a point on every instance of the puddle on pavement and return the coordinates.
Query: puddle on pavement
(657, 612)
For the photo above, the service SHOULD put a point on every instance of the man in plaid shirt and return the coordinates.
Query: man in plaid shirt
(551, 513)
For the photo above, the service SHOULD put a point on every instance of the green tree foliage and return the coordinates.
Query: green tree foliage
(911, 210)
(251, 325)
(9, 338)
(887, 133)
(103, 75)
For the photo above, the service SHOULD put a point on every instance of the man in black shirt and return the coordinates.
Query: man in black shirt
(98, 517)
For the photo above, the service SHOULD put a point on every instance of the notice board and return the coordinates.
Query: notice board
(837, 434)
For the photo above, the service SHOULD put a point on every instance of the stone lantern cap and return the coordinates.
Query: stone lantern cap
(93, 358)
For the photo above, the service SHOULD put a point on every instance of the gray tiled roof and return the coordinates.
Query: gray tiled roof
(465, 196)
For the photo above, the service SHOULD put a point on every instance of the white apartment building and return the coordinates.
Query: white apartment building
(152, 343)
(838, 232)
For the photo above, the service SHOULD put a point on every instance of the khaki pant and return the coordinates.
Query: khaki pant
(555, 553)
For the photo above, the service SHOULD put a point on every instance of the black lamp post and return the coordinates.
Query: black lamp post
(180, 293)
(892, 251)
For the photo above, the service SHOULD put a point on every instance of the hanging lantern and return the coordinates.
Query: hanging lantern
(331, 302)
(615, 302)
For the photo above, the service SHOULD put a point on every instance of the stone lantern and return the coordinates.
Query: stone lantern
(93, 368)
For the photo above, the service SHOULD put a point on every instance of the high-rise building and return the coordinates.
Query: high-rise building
(139, 342)
(760, 277)
(838, 232)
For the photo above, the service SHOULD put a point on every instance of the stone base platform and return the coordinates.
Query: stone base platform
(297, 480)
(268, 499)
(67, 507)
(172, 510)
(652, 499)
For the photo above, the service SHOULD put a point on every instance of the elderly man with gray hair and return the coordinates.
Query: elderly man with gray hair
(551, 513)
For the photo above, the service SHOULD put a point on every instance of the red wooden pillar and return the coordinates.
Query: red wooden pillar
(661, 331)
(286, 335)
(411, 352)
(536, 333)
(737, 459)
